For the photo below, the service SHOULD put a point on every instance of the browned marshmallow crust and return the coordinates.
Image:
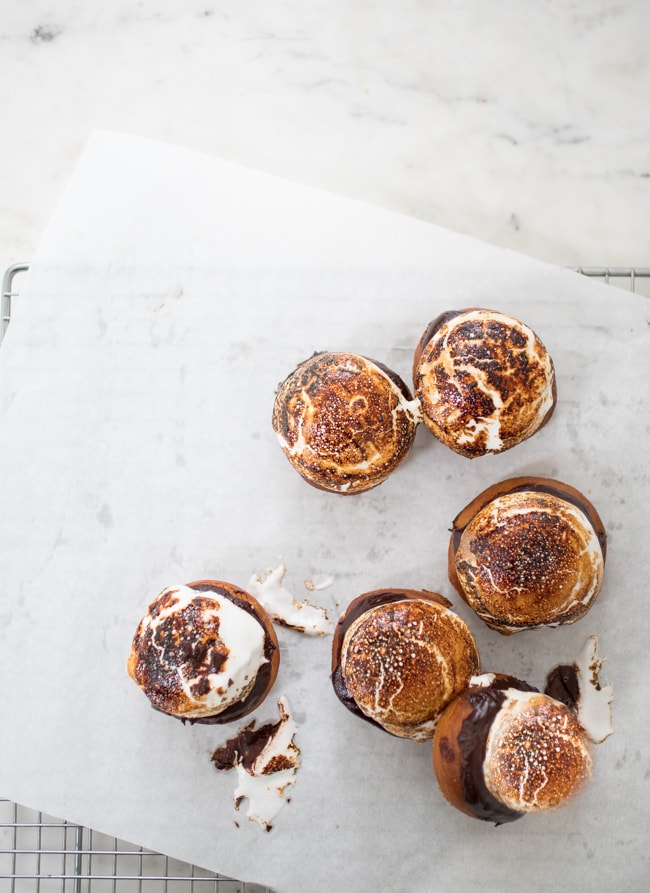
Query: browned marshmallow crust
(528, 553)
(484, 380)
(345, 422)
(399, 657)
(170, 642)
(502, 749)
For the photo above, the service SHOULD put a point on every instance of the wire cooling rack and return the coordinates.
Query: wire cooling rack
(636, 279)
(42, 854)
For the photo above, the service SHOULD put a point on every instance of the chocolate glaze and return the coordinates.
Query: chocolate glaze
(562, 683)
(551, 490)
(344, 696)
(431, 330)
(394, 377)
(356, 609)
(241, 708)
(472, 740)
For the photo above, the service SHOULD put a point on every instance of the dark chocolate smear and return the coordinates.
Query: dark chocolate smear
(562, 684)
(338, 682)
(472, 741)
(245, 747)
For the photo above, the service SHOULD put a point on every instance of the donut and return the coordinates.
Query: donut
(344, 422)
(204, 652)
(528, 553)
(399, 656)
(503, 749)
(484, 380)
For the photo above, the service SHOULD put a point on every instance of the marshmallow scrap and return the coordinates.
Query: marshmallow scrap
(266, 760)
(286, 610)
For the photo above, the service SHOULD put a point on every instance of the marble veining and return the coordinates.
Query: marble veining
(521, 124)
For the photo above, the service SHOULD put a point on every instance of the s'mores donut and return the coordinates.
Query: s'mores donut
(503, 749)
(205, 652)
(399, 657)
(345, 422)
(484, 380)
(528, 553)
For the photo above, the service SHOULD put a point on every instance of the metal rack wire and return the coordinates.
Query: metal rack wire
(636, 279)
(42, 854)
(7, 294)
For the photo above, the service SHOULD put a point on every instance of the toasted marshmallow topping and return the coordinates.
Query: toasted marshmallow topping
(536, 755)
(344, 422)
(403, 662)
(529, 559)
(485, 382)
(282, 607)
(195, 654)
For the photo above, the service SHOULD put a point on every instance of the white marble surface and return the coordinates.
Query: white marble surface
(524, 124)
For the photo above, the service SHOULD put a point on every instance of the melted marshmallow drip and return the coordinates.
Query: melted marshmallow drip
(484, 425)
(411, 408)
(483, 680)
(325, 583)
(281, 605)
(298, 447)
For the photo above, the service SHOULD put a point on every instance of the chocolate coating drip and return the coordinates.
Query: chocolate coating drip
(355, 611)
(562, 684)
(344, 696)
(472, 740)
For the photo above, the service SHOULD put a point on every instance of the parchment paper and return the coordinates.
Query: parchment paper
(170, 295)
